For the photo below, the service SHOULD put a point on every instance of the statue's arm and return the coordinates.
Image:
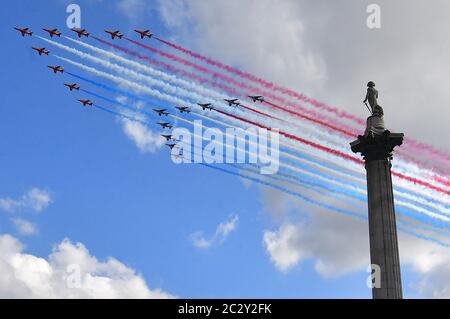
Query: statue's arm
(367, 96)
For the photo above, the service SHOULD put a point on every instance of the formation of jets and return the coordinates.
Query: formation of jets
(161, 112)
(53, 32)
(41, 51)
(81, 32)
(144, 33)
(86, 102)
(73, 86)
(183, 109)
(232, 102)
(56, 69)
(256, 98)
(117, 34)
(114, 34)
(24, 31)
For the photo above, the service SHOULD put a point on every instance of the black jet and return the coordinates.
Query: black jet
(206, 106)
(168, 137)
(114, 34)
(256, 98)
(53, 32)
(165, 124)
(25, 31)
(161, 112)
(41, 51)
(171, 145)
(56, 69)
(144, 33)
(81, 32)
(86, 102)
(73, 86)
(232, 102)
(184, 109)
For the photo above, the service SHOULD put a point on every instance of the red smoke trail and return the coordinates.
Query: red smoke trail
(336, 152)
(299, 96)
(179, 71)
(299, 139)
(259, 112)
(265, 83)
(429, 148)
(171, 68)
(231, 80)
(347, 130)
(202, 69)
(441, 180)
(420, 182)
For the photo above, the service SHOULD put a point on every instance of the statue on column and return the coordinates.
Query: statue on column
(377, 143)
(371, 96)
(375, 122)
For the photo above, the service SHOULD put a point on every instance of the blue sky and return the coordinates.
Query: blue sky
(119, 201)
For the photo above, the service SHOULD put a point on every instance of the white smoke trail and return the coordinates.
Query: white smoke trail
(317, 135)
(122, 81)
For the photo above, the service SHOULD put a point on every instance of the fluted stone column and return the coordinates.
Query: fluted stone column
(376, 147)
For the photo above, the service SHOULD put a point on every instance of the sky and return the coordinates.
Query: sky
(81, 187)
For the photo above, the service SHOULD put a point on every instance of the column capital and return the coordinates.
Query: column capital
(377, 143)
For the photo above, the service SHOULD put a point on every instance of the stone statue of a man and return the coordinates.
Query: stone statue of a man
(371, 96)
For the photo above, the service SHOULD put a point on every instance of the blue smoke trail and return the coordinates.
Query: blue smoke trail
(315, 171)
(314, 202)
(299, 195)
(120, 114)
(288, 151)
(152, 101)
(287, 191)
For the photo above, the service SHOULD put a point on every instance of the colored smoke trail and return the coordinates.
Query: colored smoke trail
(314, 116)
(411, 144)
(266, 84)
(174, 90)
(302, 169)
(178, 91)
(231, 80)
(129, 118)
(115, 113)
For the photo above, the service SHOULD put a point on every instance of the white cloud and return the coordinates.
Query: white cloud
(146, 140)
(35, 199)
(25, 227)
(133, 9)
(221, 233)
(38, 199)
(327, 240)
(339, 245)
(27, 276)
(263, 36)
